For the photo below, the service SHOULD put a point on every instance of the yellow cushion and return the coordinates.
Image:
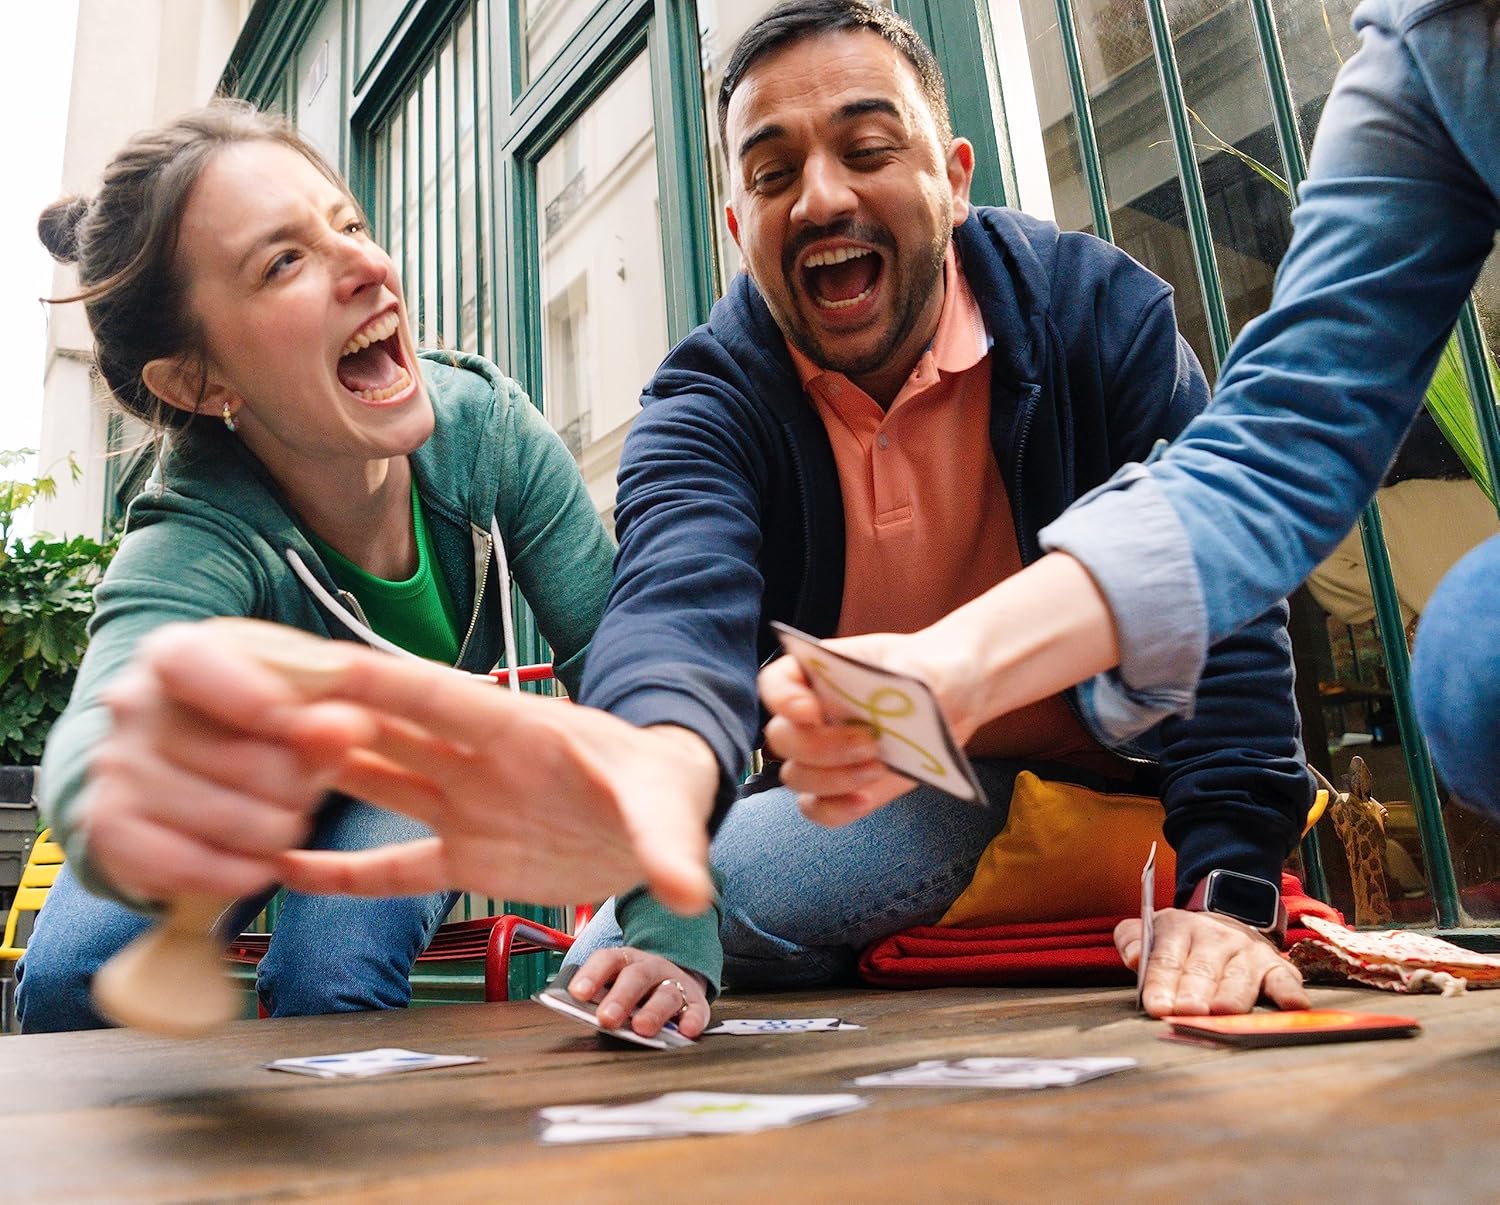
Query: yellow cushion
(1066, 853)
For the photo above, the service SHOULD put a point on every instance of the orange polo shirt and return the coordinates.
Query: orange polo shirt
(927, 521)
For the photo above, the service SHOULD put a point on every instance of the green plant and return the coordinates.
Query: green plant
(46, 598)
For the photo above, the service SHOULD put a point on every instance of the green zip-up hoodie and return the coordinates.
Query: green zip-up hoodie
(210, 536)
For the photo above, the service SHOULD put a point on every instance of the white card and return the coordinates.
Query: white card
(742, 1027)
(909, 726)
(1148, 922)
(997, 1073)
(361, 1064)
(679, 1113)
(555, 996)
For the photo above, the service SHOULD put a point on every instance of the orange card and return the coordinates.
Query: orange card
(1293, 1028)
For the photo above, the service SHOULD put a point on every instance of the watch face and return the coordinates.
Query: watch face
(1244, 897)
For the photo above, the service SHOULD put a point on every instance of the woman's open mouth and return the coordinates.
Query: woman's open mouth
(841, 278)
(371, 365)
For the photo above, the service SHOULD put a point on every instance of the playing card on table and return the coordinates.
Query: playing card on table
(681, 1113)
(997, 1073)
(913, 735)
(555, 996)
(1148, 918)
(361, 1064)
(743, 1027)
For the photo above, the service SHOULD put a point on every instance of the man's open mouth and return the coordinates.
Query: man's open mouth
(841, 278)
(371, 365)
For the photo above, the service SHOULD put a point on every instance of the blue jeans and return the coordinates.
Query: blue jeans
(328, 953)
(1456, 675)
(800, 901)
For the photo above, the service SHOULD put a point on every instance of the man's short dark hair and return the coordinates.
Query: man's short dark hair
(795, 20)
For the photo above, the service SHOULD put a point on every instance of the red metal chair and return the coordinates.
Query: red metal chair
(496, 939)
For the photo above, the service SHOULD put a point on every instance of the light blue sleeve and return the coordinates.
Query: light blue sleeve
(1393, 226)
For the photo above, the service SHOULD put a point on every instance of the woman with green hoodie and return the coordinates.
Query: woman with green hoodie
(317, 471)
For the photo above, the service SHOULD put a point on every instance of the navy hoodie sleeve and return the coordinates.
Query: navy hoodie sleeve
(1232, 779)
(677, 644)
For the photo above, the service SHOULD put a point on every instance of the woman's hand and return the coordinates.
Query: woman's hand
(645, 990)
(211, 767)
(1205, 963)
(528, 798)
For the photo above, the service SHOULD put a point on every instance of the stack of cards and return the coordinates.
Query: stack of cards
(997, 1073)
(556, 997)
(361, 1064)
(679, 1114)
(743, 1028)
(1291, 1028)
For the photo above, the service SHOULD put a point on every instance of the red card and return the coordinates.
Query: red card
(1293, 1028)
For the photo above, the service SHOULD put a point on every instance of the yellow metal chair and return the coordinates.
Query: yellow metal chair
(40, 873)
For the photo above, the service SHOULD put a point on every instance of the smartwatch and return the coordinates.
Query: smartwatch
(1244, 897)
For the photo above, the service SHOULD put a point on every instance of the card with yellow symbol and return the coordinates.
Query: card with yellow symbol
(901, 710)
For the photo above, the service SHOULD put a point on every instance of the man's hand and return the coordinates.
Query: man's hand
(834, 765)
(1205, 963)
(528, 798)
(640, 988)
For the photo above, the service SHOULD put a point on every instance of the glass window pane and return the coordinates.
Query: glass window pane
(432, 208)
(1143, 195)
(603, 307)
(546, 26)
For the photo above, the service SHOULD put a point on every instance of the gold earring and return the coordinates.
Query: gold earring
(229, 418)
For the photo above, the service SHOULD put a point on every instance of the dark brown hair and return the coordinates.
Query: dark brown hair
(795, 20)
(124, 242)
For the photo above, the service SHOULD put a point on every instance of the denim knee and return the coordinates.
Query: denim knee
(1455, 673)
(332, 954)
(76, 933)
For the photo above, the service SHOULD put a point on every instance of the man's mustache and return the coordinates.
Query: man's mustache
(855, 232)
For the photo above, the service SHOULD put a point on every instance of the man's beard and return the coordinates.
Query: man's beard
(912, 296)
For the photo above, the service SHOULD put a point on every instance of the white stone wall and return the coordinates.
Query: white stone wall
(136, 63)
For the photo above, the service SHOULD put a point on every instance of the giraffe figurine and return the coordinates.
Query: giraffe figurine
(1359, 820)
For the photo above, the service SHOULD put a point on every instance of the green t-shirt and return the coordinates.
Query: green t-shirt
(418, 614)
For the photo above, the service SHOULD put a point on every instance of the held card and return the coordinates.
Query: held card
(901, 710)
(555, 996)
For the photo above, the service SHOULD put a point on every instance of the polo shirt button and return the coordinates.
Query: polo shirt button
(882, 441)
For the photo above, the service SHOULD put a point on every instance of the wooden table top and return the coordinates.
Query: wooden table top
(122, 1116)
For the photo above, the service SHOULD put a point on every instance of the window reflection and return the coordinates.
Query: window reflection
(432, 208)
(602, 306)
(546, 26)
(1143, 196)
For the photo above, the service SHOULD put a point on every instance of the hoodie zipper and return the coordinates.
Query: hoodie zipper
(481, 579)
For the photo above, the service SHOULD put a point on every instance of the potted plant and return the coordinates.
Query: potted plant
(46, 598)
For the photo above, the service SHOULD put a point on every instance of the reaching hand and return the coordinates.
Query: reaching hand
(212, 766)
(1205, 963)
(529, 798)
(632, 985)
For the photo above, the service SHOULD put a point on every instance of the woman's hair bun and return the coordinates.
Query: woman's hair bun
(58, 227)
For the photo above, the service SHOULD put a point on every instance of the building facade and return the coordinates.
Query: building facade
(547, 176)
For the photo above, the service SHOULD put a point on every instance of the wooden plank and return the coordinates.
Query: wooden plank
(126, 1117)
